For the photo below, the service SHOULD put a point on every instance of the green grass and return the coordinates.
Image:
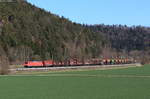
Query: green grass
(144, 71)
(55, 86)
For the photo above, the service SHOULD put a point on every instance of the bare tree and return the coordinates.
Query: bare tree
(4, 63)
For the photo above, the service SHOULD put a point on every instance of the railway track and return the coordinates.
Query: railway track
(74, 67)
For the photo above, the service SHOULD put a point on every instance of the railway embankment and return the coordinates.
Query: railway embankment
(72, 68)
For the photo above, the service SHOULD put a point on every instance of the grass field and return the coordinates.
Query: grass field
(129, 83)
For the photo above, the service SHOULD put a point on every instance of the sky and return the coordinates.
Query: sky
(125, 12)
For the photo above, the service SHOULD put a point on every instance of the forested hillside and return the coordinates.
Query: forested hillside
(31, 33)
(134, 41)
(125, 38)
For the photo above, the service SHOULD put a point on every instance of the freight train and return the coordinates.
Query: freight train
(75, 62)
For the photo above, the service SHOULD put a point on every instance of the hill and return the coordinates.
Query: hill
(31, 33)
(134, 41)
(125, 38)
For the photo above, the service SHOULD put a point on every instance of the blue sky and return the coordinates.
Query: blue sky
(129, 12)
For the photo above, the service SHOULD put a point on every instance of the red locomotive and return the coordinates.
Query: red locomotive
(75, 62)
(47, 63)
